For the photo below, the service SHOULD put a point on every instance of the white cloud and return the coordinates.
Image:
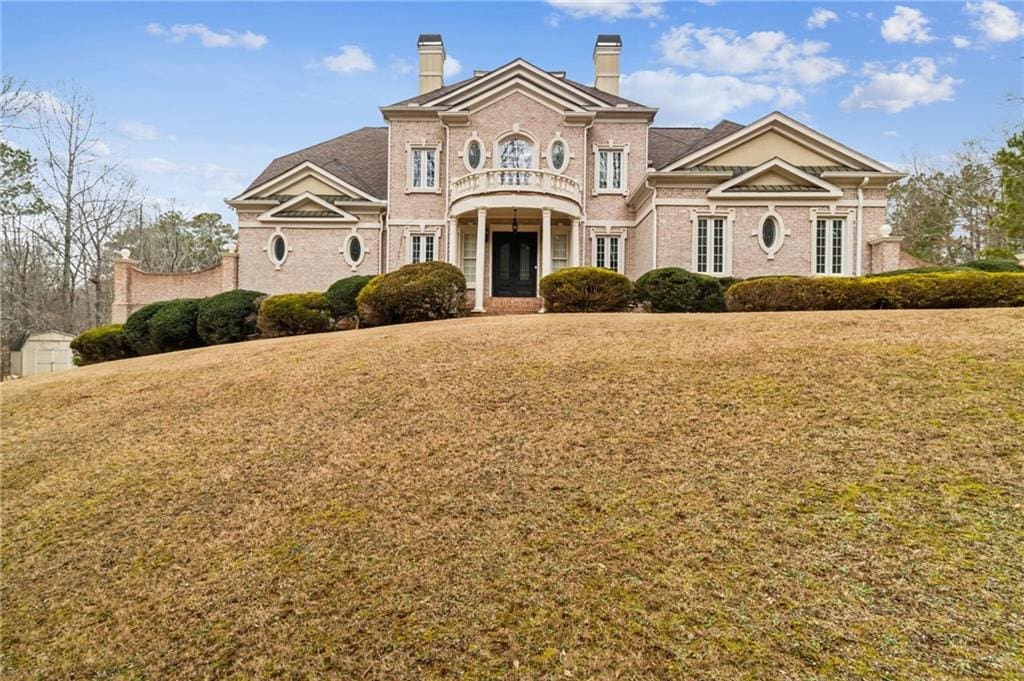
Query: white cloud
(998, 23)
(912, 83)
(890, 133)
(154, 165)
(141, 132)
(772, 54)
(907, 25)
(697, 98)
(452, 67)
(609, 10)
(820, 18)
(350, 59)
(43, 102)
(401, 67)
(960, 42)
(209, 38)
(709, 3)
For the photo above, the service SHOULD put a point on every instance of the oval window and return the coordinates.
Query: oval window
(355, 249)
(279, 249)
(473, 155)
(769, 232)
(557, 155)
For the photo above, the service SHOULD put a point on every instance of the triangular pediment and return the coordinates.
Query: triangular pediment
(305, 178)
(308, 206)
(775, 177)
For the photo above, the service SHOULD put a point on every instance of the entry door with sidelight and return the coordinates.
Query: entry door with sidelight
(514, 264)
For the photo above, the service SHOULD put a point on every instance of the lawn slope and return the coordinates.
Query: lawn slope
(806, 495)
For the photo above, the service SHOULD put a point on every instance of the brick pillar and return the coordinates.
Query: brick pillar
(229, 270)
(123, 268)
(885, 253)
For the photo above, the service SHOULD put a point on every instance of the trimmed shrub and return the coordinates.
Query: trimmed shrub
(673, 289)
(910, 291)
(342, 294)
(413, 293)
(101, 344)
(173, 327)
(994, 265)
(294, 314)
(136, 328)
(228, 317)
(586, 289)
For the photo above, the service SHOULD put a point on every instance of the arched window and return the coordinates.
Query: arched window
(515, 152)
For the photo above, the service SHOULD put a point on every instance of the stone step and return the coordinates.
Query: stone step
(502, 306)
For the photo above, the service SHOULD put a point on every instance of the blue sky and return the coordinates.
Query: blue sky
(196, 98)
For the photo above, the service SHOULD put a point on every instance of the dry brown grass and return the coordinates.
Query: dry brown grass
(807, 495)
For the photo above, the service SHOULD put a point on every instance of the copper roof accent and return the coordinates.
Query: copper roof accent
(358, 158)
(306, 214)
(774, 188)
(329, 198)
(739, 170)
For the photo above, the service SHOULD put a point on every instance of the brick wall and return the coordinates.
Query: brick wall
(134, 287)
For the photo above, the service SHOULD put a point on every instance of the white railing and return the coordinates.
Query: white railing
(501, 180)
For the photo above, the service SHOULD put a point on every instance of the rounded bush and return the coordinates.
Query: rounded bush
(994, 265)
(586, 289)
(342, 294)
(173, 327)
(101, 344)
(137, 328)
(294, 314)
(228, 317)
(413, 293)
(673, 289)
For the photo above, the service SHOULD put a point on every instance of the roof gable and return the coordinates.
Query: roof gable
(307, 206)
(305, 178)
(776, 176)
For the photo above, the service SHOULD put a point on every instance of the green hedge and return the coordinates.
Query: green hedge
(228, 317)
(984, 265)
(413, 293)
(342, 294)
(173, 327)
(294, 314)
(909, 291)
(673, 289)
(101, 344)
(137, 331)
(586, 289)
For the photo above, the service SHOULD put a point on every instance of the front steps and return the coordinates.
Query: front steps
(503, 306)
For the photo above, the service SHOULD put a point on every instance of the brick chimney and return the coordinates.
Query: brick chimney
(432, 55)
(606, 63)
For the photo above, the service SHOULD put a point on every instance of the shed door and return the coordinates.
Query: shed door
(52, 357)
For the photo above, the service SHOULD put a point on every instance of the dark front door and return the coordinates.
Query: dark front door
(514, 264)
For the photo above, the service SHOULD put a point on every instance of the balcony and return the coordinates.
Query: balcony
(517, 182)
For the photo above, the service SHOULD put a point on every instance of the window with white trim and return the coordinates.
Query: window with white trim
(423, 168)
(422, 247)
(710, 255)
(828, 245)
(608, 252)
(559, 251)
(469, 258)
(611, 171)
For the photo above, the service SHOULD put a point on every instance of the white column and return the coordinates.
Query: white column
(574, 244)
(453, 241)
(545, 243)
(481, 234)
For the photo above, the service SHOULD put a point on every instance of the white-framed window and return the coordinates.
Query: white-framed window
(354, 250)
(423, 168)
(610, 169)
(828, 245)
(559, 251)
(770, 233)
(515, 152)
(277, 248)
(710, 253)
(422, 247)
(469, 258)
(608, 252)
(558, 155)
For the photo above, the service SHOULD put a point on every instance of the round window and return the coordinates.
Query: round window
(279, 249)
(355, 249)
(473, 155)
(558, 155)
(769, 232)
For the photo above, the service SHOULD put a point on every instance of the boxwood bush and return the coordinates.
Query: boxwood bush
(413, 293)
(228, 317)
(293, 314)
(101, 344)
(342, 294)
(586, 289)
(962, 288)
(673, 289)
(173, 327)
(136, 328)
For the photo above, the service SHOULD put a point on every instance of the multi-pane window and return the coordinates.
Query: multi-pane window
(516, 153)
(422, 248)
(559, 251)
(711, 245)
(469, 258)
(828, 246)
(609, 169)
(607, 250)
(424, 168)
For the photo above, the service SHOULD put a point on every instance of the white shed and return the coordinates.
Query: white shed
(42, 353)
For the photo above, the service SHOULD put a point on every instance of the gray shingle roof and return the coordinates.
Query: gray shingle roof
(721, 130)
